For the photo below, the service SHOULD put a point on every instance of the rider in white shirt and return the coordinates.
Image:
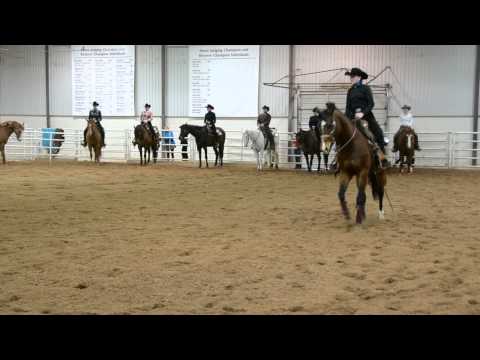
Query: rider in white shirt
(406, 121)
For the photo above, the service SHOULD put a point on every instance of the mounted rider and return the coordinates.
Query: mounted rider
(146, 118)
(96, 115)
(263, 123)
(315, 122)
(210, 120)
(359, 107)
(406, 122)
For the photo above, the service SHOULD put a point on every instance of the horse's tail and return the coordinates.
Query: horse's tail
(374, 183)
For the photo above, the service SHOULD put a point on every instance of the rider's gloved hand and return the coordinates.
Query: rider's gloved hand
(359, 115)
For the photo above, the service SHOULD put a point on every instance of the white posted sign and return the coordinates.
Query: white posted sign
(225, 76)
(105, 74)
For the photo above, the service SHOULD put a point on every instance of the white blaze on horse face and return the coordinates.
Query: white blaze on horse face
(409, 141)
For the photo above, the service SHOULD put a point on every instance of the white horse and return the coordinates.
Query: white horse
(257, 141)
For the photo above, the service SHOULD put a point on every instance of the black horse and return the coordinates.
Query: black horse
(204, 139)
(308, 142)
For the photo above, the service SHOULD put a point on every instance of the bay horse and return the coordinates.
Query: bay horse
(204, 140)
(146, 143)
(308, 142)
(6, 129)
(406, 148)
(94, 139)
(354, 158)
(257, 140)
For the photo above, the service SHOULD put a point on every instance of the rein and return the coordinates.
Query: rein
(348, 141)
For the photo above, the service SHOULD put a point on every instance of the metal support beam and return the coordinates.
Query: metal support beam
(164, 86)
(291, 90)
(47, 87)
(475, 105)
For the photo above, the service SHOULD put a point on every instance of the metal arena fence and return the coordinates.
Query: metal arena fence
(439, 149)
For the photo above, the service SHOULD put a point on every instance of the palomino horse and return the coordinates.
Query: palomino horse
(146, 143)
(354, 158)
(94, 140)
(257, 140)
(406, 148)
(204, 140)
(309, 144)
(6, 129)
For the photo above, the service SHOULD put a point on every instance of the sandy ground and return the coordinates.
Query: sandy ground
(173, 239)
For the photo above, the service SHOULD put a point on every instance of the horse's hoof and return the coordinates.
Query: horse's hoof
(381, 215)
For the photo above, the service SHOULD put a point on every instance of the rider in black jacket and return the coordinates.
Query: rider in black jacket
(263, 122)
(210, 120)
(315, 122)
(360, 105)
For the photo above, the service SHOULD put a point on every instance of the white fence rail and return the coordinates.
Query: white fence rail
(439, 149)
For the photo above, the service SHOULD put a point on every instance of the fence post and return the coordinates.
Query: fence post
(452, 149)
(241, 146)
(126, 147)
(50, 138)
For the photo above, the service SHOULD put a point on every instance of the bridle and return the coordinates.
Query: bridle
(332, 134)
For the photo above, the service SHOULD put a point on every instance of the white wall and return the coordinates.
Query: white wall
(433, 79)
(436, 80)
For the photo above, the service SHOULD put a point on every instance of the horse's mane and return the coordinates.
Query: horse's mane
(11, 123)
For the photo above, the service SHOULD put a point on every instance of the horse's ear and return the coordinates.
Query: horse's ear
(330, 107)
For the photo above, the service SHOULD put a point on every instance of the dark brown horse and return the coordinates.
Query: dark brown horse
(308, 142)
(354, 158)
(146, 143)
(6, 129)
(406, 148)
(94, 140)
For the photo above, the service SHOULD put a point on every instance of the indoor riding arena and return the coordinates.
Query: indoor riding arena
(117, 236)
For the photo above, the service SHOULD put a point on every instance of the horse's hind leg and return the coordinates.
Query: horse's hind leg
(2, 150)
(361, 196)
(344, 181)
(308, 162)
(325, 160)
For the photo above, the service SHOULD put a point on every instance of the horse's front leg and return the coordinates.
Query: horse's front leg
(199, 157)
(141, 156)
(325, 160)
(362, 179)
(2, 150)
(410, 163)
(319, 161)
(206, 158)
(344, 181)
(308, 162)
(90, 149)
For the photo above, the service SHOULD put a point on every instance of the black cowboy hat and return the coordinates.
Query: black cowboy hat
(266, 107)
(148, 105)
(209, 106)
(407, 107)
(316, 109)
(95, 103)
(357, 72)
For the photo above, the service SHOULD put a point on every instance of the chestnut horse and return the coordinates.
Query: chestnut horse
(406, 148)
(354, 158)
(94, 140)
(6, 129)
